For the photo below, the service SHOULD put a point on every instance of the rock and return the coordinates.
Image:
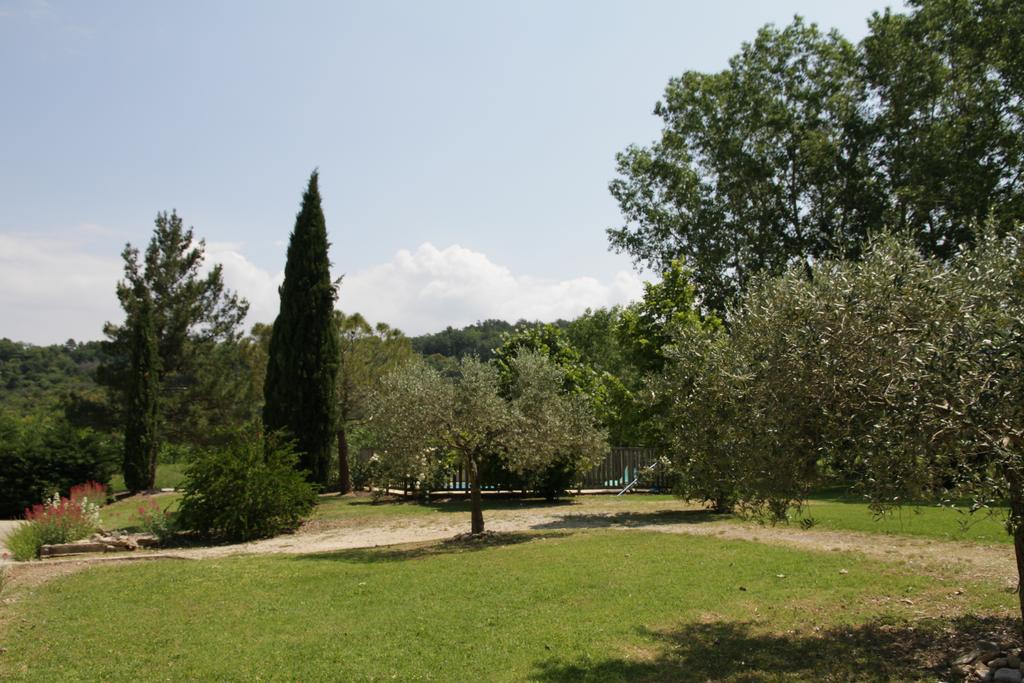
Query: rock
(968, 658)
(60, 549)
(987, 656)
(998, 663)
(1013, 661)
(1005, 675)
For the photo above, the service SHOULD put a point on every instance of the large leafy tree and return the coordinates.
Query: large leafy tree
(948, 79)
(421, 415)
(807, 142)
(366, 353)
(192, 313)
(302, 365)
(759, 166)
(643, 332)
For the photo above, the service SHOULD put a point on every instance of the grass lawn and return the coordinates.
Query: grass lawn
(829, 511)
(168, 476)
(600, 605)
(839, 512)
(124, 513)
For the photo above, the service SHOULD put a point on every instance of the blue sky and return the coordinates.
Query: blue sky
(464, 147)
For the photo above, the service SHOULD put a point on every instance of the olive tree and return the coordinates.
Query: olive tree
(420, 416)
(899, 372)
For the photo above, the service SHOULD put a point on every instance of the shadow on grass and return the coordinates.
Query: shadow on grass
(457, 544)
(876, 651)
(461, 503)
(633, 519)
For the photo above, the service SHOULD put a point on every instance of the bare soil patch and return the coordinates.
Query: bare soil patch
(947, 560)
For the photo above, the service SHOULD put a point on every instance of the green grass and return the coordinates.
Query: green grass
(168, 476)
(838, 512)
(830, 511)
(124, 514)
(23, 542)
(602, 605)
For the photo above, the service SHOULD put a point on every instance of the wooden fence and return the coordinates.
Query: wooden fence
(618, 469)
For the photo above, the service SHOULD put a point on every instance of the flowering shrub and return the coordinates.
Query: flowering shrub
(90, 491)
(58, 520)
(155, 520)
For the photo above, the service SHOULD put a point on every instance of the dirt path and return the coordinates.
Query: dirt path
(943, 559)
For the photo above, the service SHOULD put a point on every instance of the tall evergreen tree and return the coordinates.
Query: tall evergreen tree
(303, 360)
(195, 319)
(141, 442)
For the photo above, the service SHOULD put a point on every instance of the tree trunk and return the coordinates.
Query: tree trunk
(475, 500)
(344, 474)
(1017, 516)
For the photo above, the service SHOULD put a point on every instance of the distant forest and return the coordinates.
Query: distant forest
(44, 377)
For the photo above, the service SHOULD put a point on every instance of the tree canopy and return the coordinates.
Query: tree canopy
(420, 416)
(807, 143)
(302, 363)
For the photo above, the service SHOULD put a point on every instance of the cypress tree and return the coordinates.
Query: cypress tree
(303, 357)
(141, 442)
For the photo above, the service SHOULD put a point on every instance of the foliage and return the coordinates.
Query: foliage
(421, 417)
(948, 79)
(141, 435)
(608, 397)
(479, 339)
(39, 456)
(33, 378)
(24, 542)
(302, 364)
(248, 489)
(647, 326)
(900, 372)
(192, 313)
(168, 475)
(155, 520)
(642, 332)
(58, 520)
(365, 354)
(594, 334)
(806, 143)
(759, 166)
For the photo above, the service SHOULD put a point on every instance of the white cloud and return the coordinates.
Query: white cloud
(51, 289)
(426, 289)
(247, 279)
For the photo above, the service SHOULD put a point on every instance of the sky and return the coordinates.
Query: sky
(464, 148)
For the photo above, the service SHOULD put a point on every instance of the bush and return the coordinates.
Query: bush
(41, 456)
(59, 520)
(24, 542)
(248, 489)
(156, 521)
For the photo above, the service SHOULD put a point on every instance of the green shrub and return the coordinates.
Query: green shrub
(41, 456)
(24, 542)
(156, 520)
(248, 489)
(58, 520)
